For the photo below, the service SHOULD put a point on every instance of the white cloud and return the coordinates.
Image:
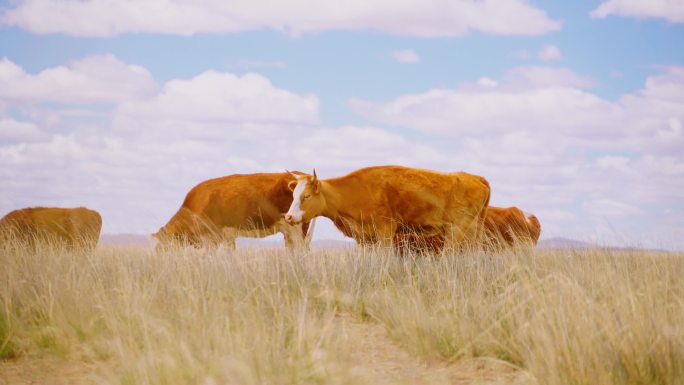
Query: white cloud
(668, 86)
(219, 107)
(620, 163)
(611, 208)
(529, 98)
(12, 131)
(528, 77)
(671, 10)
(346, 148)
(487, 82)
(539, 99)
(404, 17)
(223, 97)
(406, 56)
(549, 53)
(94, 79)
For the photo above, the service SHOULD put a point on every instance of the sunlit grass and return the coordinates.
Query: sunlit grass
(266, 316)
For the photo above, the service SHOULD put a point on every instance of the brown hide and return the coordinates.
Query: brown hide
(373, 204)
(218, 210)
(77, 229)
(506, 227)
(503, 228)
(418, 243)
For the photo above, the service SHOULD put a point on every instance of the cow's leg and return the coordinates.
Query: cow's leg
(228, 236)
(462, 236)
(452, 239)
(384, 234)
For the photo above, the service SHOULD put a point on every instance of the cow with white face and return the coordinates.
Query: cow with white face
(373, 204)
(303, 207)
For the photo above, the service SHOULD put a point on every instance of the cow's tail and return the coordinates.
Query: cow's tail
(489, 191)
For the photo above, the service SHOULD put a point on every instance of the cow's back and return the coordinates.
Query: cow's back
(423, 198)
(249, 201)
(74, 228)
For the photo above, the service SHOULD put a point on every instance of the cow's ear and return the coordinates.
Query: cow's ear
(292, 185)
(315, 183)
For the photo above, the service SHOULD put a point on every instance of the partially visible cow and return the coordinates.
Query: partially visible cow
(243, 205)
(503, 228)
(373, 204)
(508, 227)
(76, 229)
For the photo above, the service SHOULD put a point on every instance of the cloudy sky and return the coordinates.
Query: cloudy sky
(573, 110)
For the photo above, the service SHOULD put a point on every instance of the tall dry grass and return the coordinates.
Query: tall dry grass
(260, 316)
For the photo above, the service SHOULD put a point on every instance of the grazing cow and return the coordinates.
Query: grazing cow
(243, 205)
(76, 229)
(507, 227)
(373, 204)
(503, 228)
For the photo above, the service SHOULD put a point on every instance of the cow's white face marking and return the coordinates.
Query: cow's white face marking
(295, 213)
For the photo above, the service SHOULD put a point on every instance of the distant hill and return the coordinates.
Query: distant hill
(564, 243)
(567, 243)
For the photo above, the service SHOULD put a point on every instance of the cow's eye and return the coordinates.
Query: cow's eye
(306, 196)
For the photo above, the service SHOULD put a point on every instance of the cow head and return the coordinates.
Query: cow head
(307, 200)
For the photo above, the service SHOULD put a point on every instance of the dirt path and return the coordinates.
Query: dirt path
(377, 356)
(375, 359)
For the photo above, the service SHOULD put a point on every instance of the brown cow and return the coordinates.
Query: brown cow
(76, 229)
(503, 228)
(508, 227)
(243, 205)
(372, 204)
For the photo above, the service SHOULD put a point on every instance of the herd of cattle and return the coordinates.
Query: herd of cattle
(390, 206)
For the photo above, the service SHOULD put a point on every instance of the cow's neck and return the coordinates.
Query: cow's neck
(333, 200)
(339, 199)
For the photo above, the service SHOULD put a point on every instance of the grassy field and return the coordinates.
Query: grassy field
(341, 316)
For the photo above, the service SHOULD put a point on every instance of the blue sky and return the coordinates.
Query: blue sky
(572, 110)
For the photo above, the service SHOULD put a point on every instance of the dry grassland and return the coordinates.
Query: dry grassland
(340, 316)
